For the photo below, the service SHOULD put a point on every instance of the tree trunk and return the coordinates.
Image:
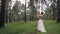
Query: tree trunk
(10, 17)
(54, 13)
(6, 13)
(2, 14)
(25, 10)
(58, 11)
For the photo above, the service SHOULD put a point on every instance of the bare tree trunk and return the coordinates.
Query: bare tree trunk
(6, 13)
(54, 13)
(10, 14)
(58, 11)
(25, 10)
(2, 14)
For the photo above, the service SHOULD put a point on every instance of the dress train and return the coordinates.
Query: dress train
(41, 26)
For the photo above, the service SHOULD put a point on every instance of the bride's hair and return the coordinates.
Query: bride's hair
(42, 13)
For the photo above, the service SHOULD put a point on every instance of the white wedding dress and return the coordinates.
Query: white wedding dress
(40, 26)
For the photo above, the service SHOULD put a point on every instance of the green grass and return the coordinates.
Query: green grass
(30, 27)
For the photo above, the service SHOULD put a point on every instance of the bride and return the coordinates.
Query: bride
(40, 26)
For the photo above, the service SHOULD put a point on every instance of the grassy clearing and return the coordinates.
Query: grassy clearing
(30, 27)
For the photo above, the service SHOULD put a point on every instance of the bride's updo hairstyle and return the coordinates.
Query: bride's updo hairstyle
(42, 13)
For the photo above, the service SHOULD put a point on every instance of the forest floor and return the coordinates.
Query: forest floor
(30, 27)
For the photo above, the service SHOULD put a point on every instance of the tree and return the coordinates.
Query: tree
(7, 10)
(2, 13)
(33, 11)
(16, 9)
(10, 20)
(25, 10)
(54, 9)
(48, 14)
(58, 11)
